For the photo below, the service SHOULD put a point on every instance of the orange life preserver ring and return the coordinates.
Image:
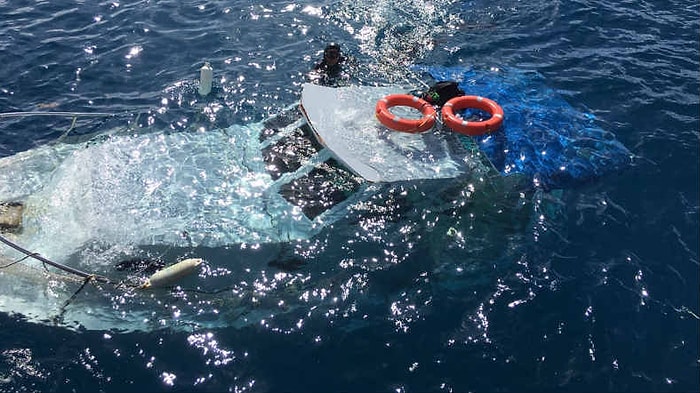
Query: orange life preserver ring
(472, 128)
(397, 123)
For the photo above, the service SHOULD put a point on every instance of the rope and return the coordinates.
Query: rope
(59, 317)
(67, 114)
(74, 115)
(54, 264)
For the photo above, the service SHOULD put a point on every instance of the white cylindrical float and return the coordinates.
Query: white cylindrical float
(206, 75)
(173, 273)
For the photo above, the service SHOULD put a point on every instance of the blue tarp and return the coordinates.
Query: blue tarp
(542, 135)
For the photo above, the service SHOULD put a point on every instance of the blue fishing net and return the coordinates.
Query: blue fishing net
(542, 135)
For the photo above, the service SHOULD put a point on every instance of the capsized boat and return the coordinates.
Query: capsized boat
(124, 195)
(118, 198)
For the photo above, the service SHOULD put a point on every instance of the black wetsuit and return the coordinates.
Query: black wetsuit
(330, 74)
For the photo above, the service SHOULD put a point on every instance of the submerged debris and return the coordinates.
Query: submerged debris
(11, 216)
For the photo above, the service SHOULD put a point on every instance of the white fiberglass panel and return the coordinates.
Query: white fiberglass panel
(344, 119)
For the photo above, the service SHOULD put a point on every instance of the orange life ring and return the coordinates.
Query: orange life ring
(397, 123)
(472, 128)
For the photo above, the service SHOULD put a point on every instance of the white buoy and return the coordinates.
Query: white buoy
(206, 74)
(172, 273)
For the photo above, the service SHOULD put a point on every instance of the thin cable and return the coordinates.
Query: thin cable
(14, 262)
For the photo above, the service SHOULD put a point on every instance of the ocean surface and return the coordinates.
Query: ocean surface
(588, 288)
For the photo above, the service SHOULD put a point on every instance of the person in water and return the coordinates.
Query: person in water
(440, 92)
(330, 70)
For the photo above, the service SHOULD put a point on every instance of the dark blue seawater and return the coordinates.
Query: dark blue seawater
(592, 287)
